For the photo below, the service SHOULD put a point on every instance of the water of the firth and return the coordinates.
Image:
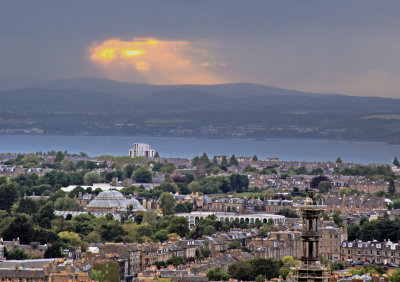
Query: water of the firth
(285, 149)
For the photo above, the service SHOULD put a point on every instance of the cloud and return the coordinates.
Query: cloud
(155, 61)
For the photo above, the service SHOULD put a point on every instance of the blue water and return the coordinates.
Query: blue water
(285, 149)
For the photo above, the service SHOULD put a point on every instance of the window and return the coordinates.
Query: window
(349, 251)
(378, 253)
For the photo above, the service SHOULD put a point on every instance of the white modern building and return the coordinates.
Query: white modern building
(141, 150)
(193, 217)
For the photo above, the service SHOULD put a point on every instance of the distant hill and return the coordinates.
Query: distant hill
(93, 106)
(140, 90)
(69, 100)
(84, 95)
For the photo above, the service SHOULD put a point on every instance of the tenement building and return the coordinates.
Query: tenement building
(372, 252)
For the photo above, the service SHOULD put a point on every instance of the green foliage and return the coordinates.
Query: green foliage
(249, 168)
(353, 232)
(338, 219)
(324, 186)
(27, 205)
(167, 203)
(109, 270)
(21, 227)
(17, 254)
(371, 171)
(71, 238)
(337, 265)
(179, 225)
(239, 183)
(142, 175)
(176, 260)
(380, 230)
(59, 157)
(260, 278)
(97, 275)
(92, 177)
(234, 245)
(8, 195)
(67, 204)
(316, 180)
(233, 161)
(111, 231)
(248, 270)
(287, 212)
(391, 187)
(216, 274)
(395, 276)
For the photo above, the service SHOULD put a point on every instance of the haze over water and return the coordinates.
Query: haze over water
(284, 149)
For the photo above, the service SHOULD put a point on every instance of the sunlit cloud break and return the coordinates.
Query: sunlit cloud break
(155, 61)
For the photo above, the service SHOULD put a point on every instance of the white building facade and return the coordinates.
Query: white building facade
(141, 150)
(193, 217)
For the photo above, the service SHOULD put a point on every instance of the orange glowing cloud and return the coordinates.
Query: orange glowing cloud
(156, 61)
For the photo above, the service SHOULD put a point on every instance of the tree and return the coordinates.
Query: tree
(255, 158)
(167, 203)
(324, 186)
(338, 160)
(8, 195)
(233, 245)
(156, 155)
(111, 231)
(395, 276)
(239, 182)
(70, 237)
(129, 169)
(110, 270)
(27, 205)
(216, 274)
(67, 204)
(45, 215)
(22, 228)
(59, 157)
(287, 212)
(176, 260)
(224, 161)
(17, 254)
(97, 275)
(233, 161)
(179, 225)
(54, 251)
(209, 230)
(353, 232)
(391, 187)
(338, 265)
(338, 219)
(260, 278)
(396, 162)
(142, 175)
(92, 177)
(248, 270)
(316, 180)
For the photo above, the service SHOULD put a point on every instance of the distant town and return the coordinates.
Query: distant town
(143, 217)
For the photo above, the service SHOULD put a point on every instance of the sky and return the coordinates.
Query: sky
(338, 46)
